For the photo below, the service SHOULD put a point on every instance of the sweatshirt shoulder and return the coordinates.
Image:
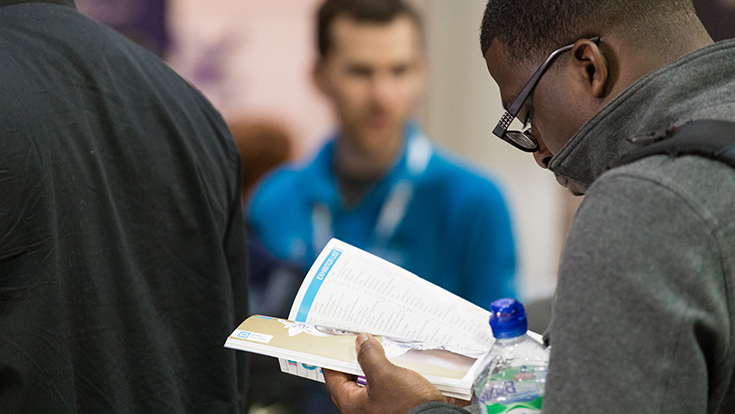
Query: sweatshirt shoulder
(705, 186)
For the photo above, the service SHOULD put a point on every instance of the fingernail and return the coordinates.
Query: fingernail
(361, 339)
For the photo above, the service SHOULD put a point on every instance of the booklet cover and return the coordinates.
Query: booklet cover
(450, 369)
(347, 290)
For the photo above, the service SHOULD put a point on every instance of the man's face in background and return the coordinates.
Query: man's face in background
(373, 75)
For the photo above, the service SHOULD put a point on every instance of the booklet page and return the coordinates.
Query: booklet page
(350, 289)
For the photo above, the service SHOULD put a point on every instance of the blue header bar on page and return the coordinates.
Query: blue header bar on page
(316, 284)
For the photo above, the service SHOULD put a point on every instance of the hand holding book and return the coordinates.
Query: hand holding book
(389, 389)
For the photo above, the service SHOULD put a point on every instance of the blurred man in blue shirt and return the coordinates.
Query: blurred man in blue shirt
(379, 183)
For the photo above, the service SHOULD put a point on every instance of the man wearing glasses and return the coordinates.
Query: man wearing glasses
(644, 317)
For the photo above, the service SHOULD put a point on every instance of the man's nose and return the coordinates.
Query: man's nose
(383, 89)
(543, 155)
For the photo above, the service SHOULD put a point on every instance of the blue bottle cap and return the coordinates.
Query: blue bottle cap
(508, 318)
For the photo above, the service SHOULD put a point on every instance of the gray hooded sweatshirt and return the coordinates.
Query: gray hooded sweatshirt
(644, 316)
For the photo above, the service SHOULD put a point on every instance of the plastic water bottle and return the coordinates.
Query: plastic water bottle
(513, 374)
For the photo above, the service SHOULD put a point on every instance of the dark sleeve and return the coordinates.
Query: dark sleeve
(641, 314)
(15, 246)
(10, 204)
(237, 262)
(435, 407)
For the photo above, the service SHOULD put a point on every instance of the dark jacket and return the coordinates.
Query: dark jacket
(122, 267)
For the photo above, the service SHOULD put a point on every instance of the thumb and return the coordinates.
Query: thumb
(390, 388)
(370, 355)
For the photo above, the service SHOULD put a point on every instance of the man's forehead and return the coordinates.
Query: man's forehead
(399, 36)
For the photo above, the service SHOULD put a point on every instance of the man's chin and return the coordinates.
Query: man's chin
(379, 137)
(382, 130)
(574, 187)
(576, 192)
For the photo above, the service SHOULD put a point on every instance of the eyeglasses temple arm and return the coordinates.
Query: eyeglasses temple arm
(531, 84)
(511, 113)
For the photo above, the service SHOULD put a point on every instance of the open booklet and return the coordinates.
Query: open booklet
(347, 291)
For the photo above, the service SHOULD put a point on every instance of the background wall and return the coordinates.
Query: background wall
(252, 59)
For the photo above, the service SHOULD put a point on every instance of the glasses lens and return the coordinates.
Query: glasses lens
(522, 140)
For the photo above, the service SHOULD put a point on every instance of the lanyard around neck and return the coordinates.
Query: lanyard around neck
(418, 153)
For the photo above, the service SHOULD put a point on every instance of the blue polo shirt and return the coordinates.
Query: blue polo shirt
(453, 231)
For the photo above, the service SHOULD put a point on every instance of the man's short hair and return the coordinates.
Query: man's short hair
(369, 11)
(530, 29)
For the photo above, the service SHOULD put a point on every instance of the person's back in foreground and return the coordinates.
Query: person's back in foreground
(644, 318)
(121, 237)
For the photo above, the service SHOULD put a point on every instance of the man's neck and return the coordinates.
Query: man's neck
(689, 37)
(357, 163)
(358, 169)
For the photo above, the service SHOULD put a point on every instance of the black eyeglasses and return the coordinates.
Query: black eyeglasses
(523, 139)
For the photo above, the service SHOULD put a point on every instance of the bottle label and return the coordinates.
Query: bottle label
(516, 390)
(531, 407)
(520, 374)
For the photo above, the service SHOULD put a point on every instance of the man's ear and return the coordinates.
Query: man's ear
(424, 69)
(592, 66)
(319, 75)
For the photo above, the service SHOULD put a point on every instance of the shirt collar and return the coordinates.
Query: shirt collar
(323, 184)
